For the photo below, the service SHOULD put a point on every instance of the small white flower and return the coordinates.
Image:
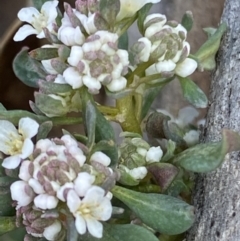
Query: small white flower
(186, 68)
(61, 191)
(117, 84)
(83, 182)
(24, 171)
(22, 193)
(45, 201)
(129, 8)
(69, 35)
(17, 143)
(191, 137)
(154, 154)
(138, 173)
(73, 78)
(165, 66)
(101, 158)
(142, 151)
(38, 20)
(94, 207)
(146, 51)
(51, 231)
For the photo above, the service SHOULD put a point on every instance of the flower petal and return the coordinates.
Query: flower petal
(104, 210)
(23, 172)
(73, 201)
(94, 196)
(24, 32)
(117, 84)
(51, 231)
(83, 182)
(19, 194)
(28, 14)
(27, 148)
(80, 224)
(11, 162)
(28, 127)
(48, 66)
(154, 154)
(95, 228)
(186, 68)
(100, 157)
(73, 77)
(49, 9)
(129, 8)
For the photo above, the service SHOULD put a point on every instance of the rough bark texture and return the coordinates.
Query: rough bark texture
(217, 194)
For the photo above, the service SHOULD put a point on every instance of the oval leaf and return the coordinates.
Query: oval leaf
(208, 156)
(126, 232)
(163, 213)
(193, 93)
(28, 70)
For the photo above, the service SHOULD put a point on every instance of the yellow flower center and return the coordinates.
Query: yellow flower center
(15, 144)
(40, 22)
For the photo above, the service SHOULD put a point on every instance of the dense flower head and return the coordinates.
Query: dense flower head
(98, 62)
(165, 44)
(39, 224)
(17, 144)
(38, 20)
(135, 154)
(59, 167)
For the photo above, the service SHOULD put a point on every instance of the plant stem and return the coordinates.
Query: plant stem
(107, 110)
(127, 112)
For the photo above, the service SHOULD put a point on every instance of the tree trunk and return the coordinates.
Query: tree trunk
(217, 194)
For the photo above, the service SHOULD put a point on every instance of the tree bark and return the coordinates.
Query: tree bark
(217, 194)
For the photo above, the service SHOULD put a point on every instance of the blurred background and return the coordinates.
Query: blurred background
(15, 95)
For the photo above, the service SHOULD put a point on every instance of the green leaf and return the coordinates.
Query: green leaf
(7, 224)
(6, 208)
(90, 117)
(162, 213)
(44, 130)
(44, 53)
(5, 183)
(207, 157)
(38, 3)
(2, 107)
(103, 129)
(53, 88)
(125, 232)
(187, 20)
(50, 106)
(109, 10)
(171, 146)
(193, 93)
(148, 98)
(28, 70)
(123, 41)
(142, 14)
(206, 54)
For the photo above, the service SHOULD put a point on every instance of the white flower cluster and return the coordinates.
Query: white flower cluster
(95, 59)
(164, 43)
(57, 174)
(136, 154)
(98, 61)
